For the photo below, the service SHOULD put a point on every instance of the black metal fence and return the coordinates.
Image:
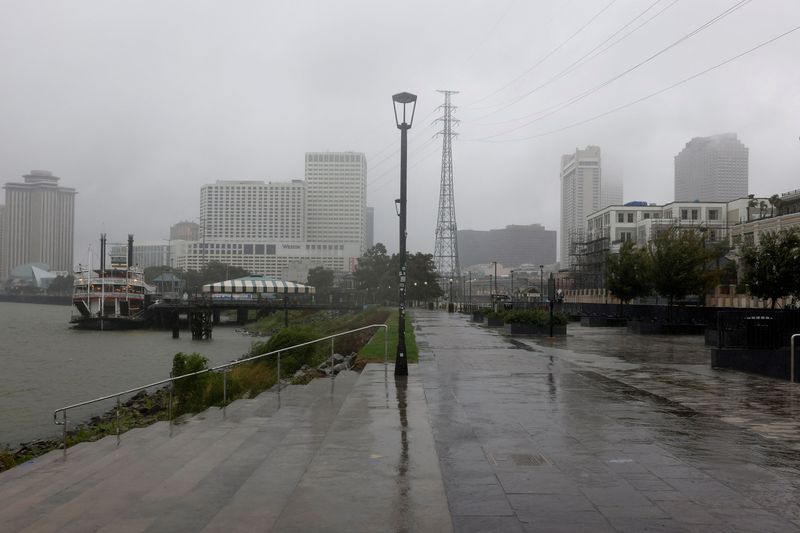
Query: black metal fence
(756, 328)
(658, 313)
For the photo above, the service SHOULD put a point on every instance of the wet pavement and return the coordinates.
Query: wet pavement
(605, 431)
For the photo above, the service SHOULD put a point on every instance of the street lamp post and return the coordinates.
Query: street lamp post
(470, 290)
(401, 103)
(450, 305)
(512, 285)
(541, 283)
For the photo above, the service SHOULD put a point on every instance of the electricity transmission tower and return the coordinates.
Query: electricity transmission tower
(445, 254)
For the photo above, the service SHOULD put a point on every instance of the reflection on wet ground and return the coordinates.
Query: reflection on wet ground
(677, 368)
(605, 431)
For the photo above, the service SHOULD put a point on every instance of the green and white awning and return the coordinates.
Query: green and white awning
(251, 286)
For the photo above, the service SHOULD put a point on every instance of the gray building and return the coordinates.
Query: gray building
(185, 230)
(370, 227)
(511, 246)
(336, 184)
(580, 195)
(712, 169)
(38, 223)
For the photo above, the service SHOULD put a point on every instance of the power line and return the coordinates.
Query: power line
(544, 113)
(575, 65)
(649, 96)
(544, 58)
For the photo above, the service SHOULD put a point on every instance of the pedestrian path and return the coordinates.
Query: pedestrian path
(538, 438)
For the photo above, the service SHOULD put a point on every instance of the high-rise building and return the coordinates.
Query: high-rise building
(253, 210)
(580, 195)
(511, 246)
(184, 231)
(712, 169)
(370, 227)
(145, 254)
(336, 185)
(39, 222)
(610, 191)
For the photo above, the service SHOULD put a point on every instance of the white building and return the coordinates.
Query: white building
(336, 184)
(265, 257)
(145, 254)
(253, 210)
(712, 169)
(39, 222)
(580, 195)
(619, 223)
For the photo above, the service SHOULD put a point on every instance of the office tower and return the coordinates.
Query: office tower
(370, 227)
(610, 191)
(184, 231)
(511, 246)
(253, 210)
(580, 195)
(336, 189)
(39, 221)
(712, 169)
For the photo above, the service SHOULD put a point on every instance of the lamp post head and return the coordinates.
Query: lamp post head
(405, 118)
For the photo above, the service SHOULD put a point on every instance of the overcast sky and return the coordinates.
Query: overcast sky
(137, 104)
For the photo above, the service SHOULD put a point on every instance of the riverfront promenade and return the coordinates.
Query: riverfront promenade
(600, 431)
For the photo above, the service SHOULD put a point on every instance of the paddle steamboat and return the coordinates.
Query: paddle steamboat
(112, 296)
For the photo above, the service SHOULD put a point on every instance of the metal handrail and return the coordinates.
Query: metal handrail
(224, 367)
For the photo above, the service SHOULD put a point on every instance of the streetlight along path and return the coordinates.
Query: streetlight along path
(605, 431)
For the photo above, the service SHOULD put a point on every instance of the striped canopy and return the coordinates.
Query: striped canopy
(237, 285)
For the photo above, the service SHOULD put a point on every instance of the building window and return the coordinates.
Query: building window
(713, 214)
(646, 216)
(630, 217)
(620, 217)
(695, 214)
(684, 214)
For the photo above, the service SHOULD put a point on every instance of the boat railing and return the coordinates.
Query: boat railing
(223, 369)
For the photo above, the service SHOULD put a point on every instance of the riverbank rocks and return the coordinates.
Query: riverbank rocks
(340, 362)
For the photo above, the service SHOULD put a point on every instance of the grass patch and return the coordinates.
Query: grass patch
(373, 351)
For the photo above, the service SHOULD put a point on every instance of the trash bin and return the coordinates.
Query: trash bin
(760, 331)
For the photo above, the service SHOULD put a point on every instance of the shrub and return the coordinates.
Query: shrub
(292, 360)
(189, 392)
(536, 317)
(533, 317)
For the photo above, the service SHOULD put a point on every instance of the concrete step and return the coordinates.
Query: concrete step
(100, 481)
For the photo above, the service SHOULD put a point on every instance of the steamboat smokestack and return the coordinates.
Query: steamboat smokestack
(102, 253)
(130, 250)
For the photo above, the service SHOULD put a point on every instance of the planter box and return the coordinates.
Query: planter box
(771, 363)
(662, 328)
(477, 316)
(494, 322)
(530, 329)
(604, 321)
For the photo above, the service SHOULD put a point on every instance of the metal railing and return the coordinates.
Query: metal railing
(224, 369)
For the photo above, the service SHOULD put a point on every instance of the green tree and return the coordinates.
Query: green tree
(321, 279)
(212, 272)
(770, 269)
(151, 273)
(189, 392)
(61, 285)
(776, 203)
(682, 264)
(422, 280)
(628, 273)
(373, 275)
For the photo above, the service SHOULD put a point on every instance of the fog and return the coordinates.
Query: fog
(138, 104)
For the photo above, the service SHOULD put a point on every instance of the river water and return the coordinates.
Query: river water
(45, 364)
